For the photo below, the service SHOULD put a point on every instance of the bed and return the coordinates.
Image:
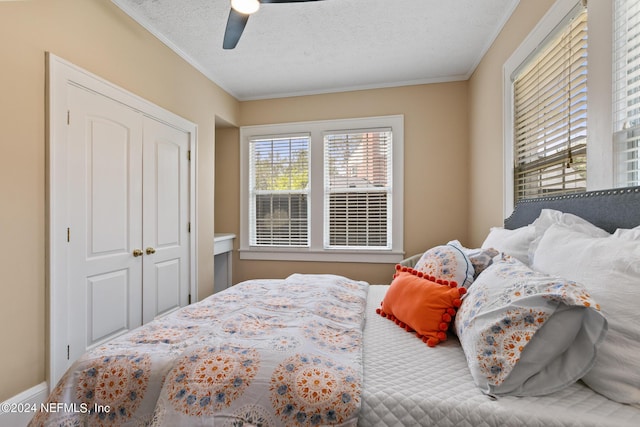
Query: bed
(313, 350)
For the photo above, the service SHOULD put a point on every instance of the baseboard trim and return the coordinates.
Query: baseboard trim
(33, 396)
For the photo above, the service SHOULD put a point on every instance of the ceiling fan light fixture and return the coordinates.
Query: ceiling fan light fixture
(246, 7)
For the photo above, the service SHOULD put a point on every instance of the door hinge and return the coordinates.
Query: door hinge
(189, 227)
(68, 117)
(189, 155)
(189, 301)
(68, 234)
(68, 351)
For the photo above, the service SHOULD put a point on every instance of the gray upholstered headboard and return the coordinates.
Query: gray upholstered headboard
(607, 209)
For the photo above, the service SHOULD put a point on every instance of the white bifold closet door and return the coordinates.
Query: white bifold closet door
(128, 179)
(165, 224)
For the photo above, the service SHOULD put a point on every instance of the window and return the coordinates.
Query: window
(626, 97)
(279, 191)
(550, 113)
(357, 167)
(323, 191)
(613, 92)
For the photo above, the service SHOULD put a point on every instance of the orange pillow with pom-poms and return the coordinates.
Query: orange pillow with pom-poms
(422, 304)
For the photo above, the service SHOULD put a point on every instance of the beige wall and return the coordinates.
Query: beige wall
(435, 167)
(97, 36)
(486, 123)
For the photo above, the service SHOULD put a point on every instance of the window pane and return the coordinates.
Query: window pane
(280, 164)
(281, 220)
(279, 178)
(358, 219)
(358, 189)
(628, 153)
(627, 91)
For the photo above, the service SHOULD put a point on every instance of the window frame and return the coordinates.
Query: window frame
(350, 192)
(316, 250)
(625, 133)
(254, 193)
(600, 153)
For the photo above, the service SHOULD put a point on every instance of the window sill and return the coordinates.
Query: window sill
(271, 254)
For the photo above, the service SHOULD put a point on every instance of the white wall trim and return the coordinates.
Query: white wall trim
(60, 74)
(147, 25)
(507, 150)
(600, 147)
(304, 254)
(21, 406)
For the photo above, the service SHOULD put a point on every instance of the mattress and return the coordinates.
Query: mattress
(408, 383)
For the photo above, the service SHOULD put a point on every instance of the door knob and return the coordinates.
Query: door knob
(137, 252)
(150, 251)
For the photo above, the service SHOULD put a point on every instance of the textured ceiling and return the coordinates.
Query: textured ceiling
(328, 46)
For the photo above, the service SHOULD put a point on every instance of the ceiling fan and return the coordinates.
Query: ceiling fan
(239, 15)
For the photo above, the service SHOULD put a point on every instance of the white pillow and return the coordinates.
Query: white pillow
(548, 217)
(609, 267)
(511, 242)
(628, 234)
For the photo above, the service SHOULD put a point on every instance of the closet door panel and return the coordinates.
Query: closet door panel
(108, 196)
(107, 299)
(165, 218)
(167, 192)
(105, 210)
(168, 294)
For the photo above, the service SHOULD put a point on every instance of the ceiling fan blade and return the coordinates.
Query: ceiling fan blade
(235, 26)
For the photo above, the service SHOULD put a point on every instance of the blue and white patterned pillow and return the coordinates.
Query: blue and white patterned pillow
(447, 262)
(525, 333)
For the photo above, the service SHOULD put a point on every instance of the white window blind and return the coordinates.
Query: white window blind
(550, 113)
(279, 191)
(626, 98)
(358, 190)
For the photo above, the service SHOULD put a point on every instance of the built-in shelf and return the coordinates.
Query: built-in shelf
(222, 255)
(223, 242)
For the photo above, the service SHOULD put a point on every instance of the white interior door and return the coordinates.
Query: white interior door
(103, 142)
(165, 219)
(105, 219)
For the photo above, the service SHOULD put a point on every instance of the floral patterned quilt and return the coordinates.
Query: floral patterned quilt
(262, 353)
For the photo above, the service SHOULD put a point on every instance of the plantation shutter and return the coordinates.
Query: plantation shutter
(358, 188)
(279, 191)
(627, 91)
(550, 113)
